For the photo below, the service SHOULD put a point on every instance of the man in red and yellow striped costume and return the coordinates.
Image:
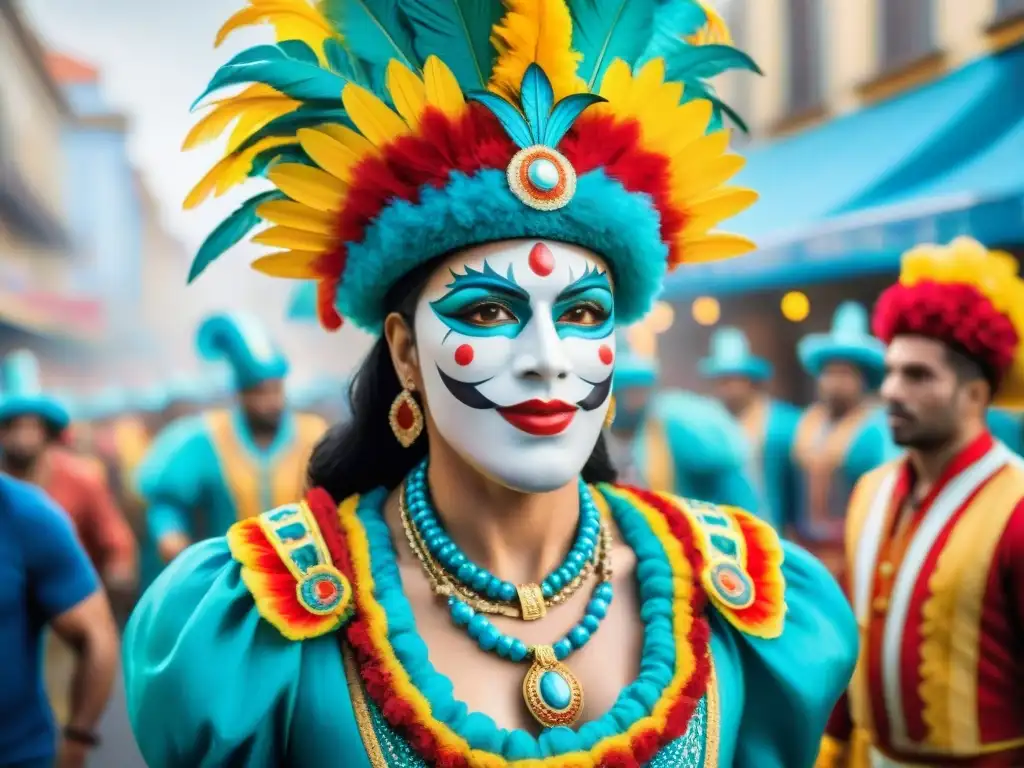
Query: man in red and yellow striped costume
(935, 539)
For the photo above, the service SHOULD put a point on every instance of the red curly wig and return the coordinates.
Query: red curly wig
(956, 314)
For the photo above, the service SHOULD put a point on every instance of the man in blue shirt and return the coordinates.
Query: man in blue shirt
(46, 580)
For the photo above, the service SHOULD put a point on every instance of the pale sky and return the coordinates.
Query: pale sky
(155, 58)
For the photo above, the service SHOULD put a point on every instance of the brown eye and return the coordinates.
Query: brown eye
(490, 314)
(584, 314)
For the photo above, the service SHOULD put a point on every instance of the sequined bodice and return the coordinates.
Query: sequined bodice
(688, 751)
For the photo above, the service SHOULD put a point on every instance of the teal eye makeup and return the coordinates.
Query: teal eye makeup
(483, 304)
(586, 309)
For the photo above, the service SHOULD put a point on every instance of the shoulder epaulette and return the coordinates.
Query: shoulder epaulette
(287, 568)
(742, 569)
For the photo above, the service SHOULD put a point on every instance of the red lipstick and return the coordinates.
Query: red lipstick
(542, 418)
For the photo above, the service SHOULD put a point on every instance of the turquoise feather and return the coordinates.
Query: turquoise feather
(564, 115)
(309, 116)
(286, 153)
(537, 99)
(341, 60)
(701, 62)
(673, 20)
(606, 30)
(511, 119)
(457, 31)
(295, 79)
(230, 232)
(721, 108)
(374, 29)
(300, 51)
(258, 55)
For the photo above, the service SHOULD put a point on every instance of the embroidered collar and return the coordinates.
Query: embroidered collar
(417, 701)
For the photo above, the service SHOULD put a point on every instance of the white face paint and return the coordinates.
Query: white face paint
(516, 346)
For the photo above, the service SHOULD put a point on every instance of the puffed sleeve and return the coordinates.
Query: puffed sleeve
(209, 683)
(171, 478)
(793, 681)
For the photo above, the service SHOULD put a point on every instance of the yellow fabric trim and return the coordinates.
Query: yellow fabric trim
(951, 626)
(713, 738)
(288, 481)
(362, 711)
(241, 475)
(831, 754)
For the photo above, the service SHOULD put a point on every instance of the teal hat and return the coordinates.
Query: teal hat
(244, 344)
(849, 341)
(23, 394)
(631, 369)
(151, 399)
(730, 356)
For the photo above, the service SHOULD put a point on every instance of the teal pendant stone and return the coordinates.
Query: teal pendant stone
(543, 174)
(555, 691)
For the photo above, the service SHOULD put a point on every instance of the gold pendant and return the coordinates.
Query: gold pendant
(553, 694)
(531, 602)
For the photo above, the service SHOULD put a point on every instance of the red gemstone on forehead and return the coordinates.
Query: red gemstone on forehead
(464, 354)
(606, 354)
(542, 260)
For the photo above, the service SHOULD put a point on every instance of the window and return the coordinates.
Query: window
(907, 31)
(1007, 8)
(805, 75)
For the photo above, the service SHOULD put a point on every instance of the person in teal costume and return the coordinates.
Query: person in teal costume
(1006, 427)
(739, 378)
(417, 607)
(842, 436)
(676, 441)
(186, 478)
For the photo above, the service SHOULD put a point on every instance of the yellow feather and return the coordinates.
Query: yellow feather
(254, 107)
(358, 145)
(646, 84)
(310, 186)
(714, 248)
(714, 32)
(616, 86)
(329, 153)
(229, 171)
(687, 123)
(700, 178)
(288, 213)
(656, 113)
(407, 91)
(704, 147)
(711, 209)
(372, 117)
(287, 17)
(535, 31)
(294, 239)
(296, 265)
(442, 89)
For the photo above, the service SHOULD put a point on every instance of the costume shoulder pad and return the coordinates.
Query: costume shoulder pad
(287, 567)
(742, 565)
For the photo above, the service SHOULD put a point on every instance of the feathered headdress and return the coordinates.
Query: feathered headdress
(968, 297)
(395, 131)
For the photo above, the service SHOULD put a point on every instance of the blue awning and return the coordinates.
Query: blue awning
(865, 188)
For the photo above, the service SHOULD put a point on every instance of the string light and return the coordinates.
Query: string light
(706, 310)
(795, 306)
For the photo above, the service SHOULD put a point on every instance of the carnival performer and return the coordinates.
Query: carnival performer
(31, 426)
(739, 378)
(843, 435)
(525, 194)
(935, 540)
(203, 473)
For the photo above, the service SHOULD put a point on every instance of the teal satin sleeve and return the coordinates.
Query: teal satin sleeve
(209, 684)
(788, 685)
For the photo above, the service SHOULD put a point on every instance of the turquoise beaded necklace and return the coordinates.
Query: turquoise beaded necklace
(551, 691)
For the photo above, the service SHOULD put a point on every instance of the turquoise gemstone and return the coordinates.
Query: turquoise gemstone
(555, 690)
(543, 174)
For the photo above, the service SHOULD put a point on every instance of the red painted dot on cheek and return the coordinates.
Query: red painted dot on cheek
(542, 260)
(464, 354)
(606, 354)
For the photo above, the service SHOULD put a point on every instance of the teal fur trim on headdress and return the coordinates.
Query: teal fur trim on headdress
(23, 394)
(244, 344)
(396, 132)
(848, 341)
(730, 355)
(602, 216)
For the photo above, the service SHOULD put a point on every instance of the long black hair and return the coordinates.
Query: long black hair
(361, 453)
